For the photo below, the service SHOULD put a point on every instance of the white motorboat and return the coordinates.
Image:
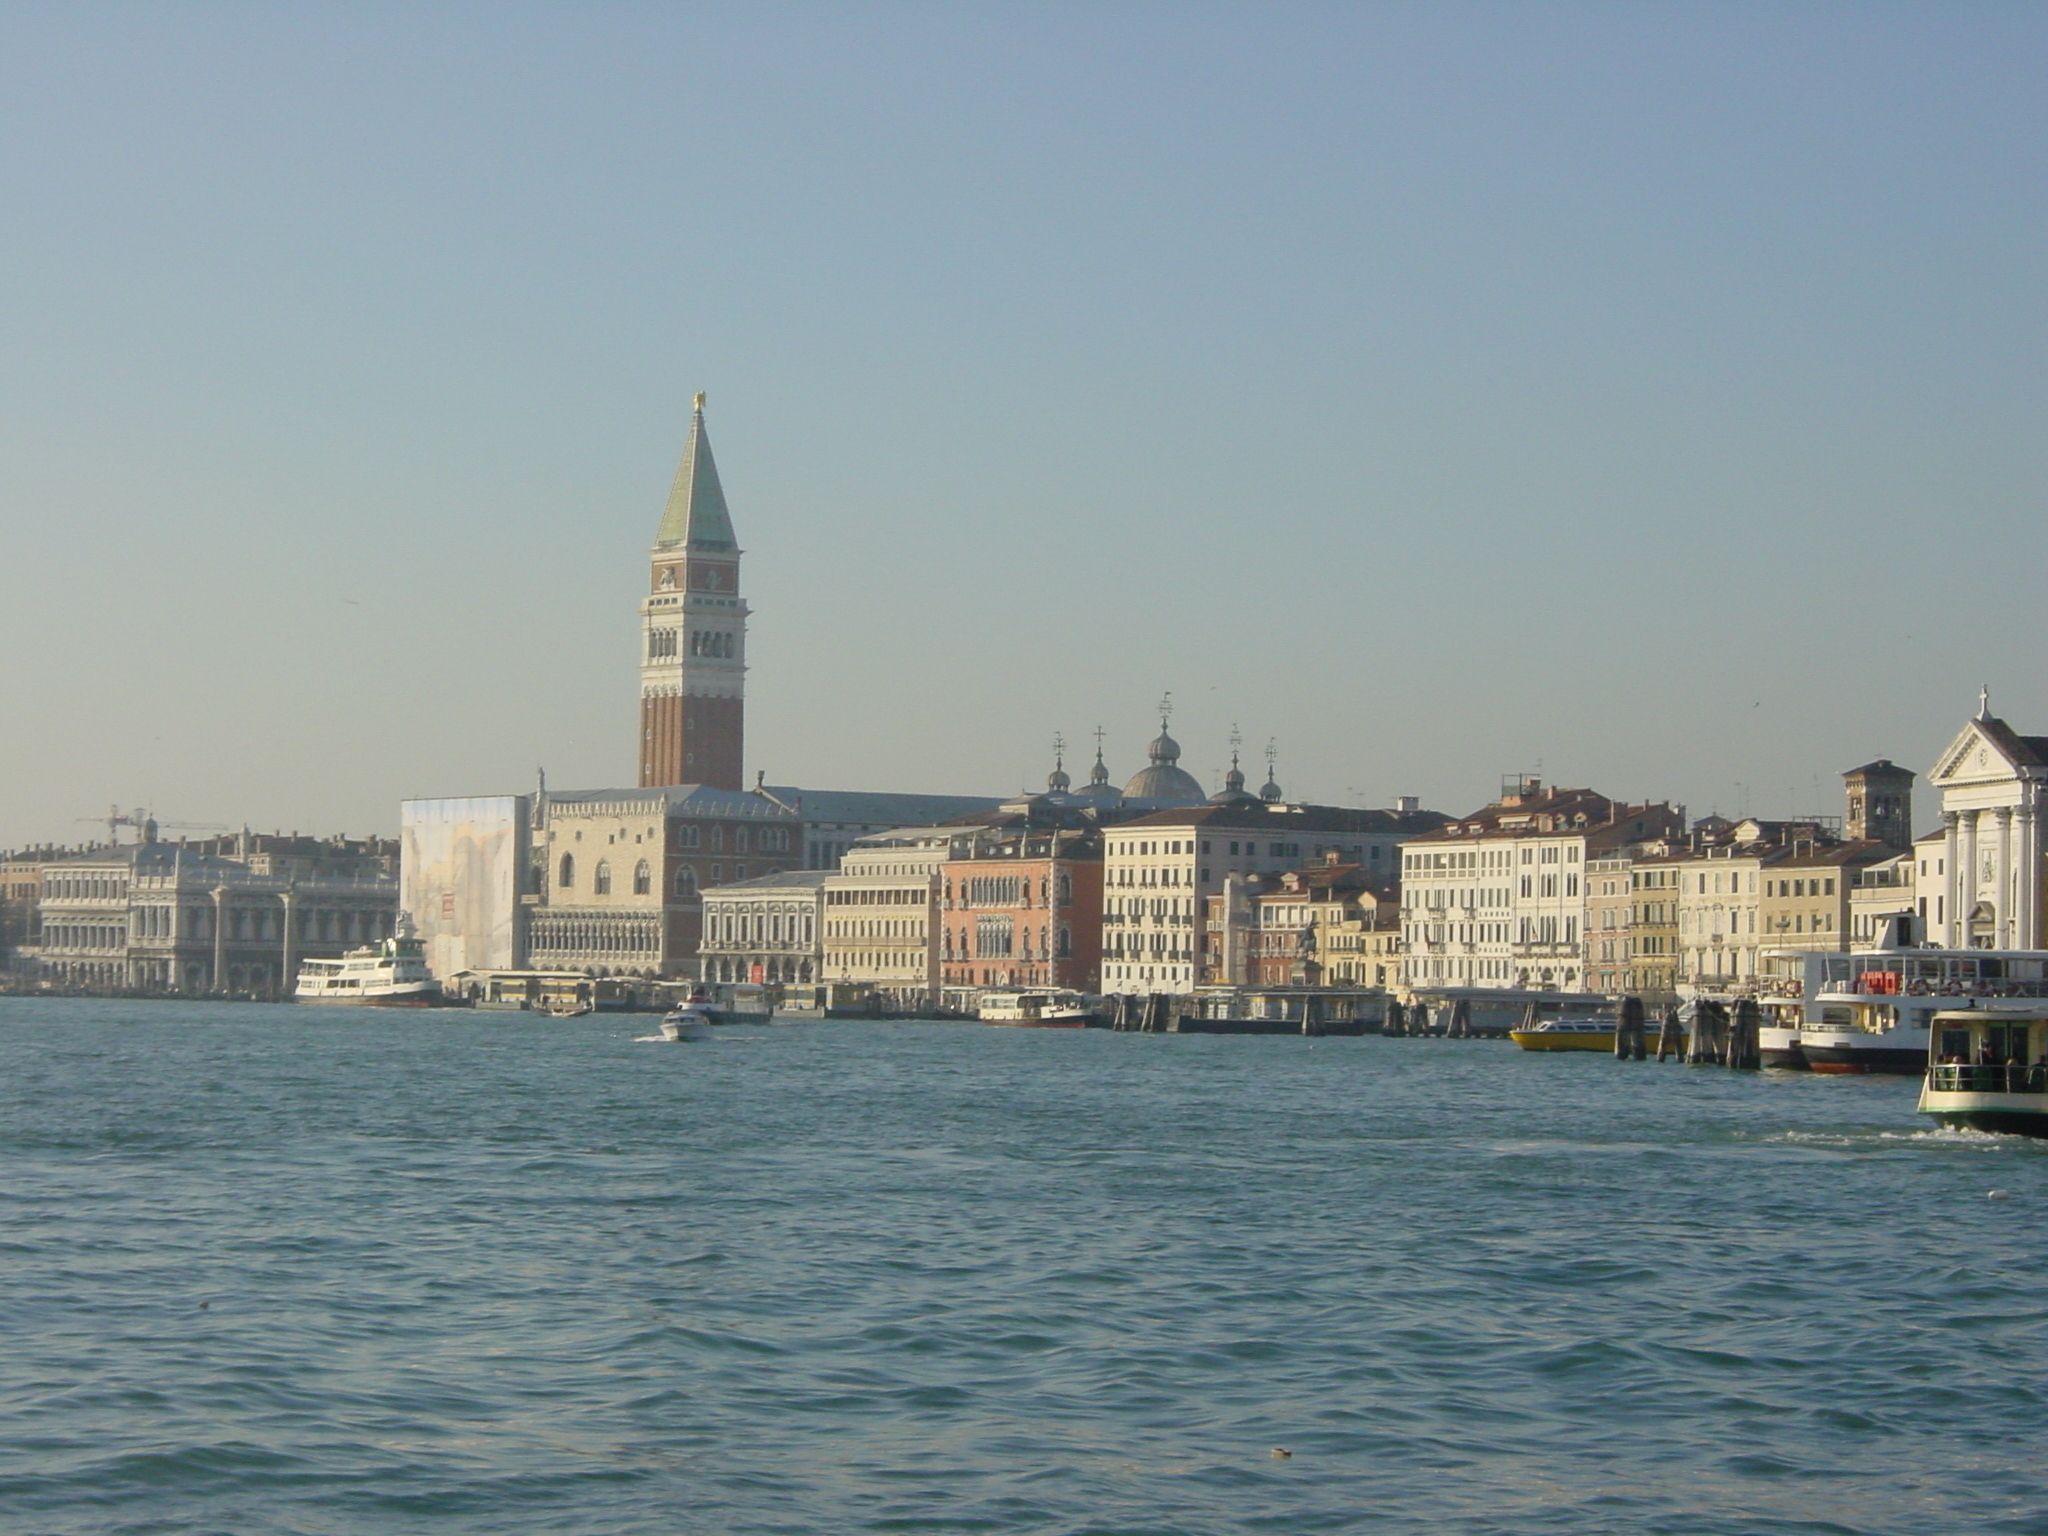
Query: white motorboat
(1046, 1009)
(689, 1021)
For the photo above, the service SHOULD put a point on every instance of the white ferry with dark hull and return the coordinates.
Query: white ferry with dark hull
(1988, 1071)
(389, 974)
(1872, 1010)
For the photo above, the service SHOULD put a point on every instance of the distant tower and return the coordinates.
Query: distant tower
(1880, 803)
(693, 672)
(1270, 790)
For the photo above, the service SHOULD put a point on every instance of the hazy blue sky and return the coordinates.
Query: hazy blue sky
(1652, 394)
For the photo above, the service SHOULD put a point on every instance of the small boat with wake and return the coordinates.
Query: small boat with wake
(686, 1021)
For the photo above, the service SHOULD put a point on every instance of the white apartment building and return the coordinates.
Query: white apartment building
(1159, 871)
(1498, 899)
(881, 914)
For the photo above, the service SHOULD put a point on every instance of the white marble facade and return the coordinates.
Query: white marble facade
(1994, 791)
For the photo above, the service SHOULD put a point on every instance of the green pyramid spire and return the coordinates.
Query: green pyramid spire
(696, 513)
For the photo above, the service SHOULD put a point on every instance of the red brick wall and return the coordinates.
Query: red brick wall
(691, 740)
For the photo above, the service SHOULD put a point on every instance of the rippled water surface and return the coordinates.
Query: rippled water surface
(308, 1271)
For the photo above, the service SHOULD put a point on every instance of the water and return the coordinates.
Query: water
(317, 1272)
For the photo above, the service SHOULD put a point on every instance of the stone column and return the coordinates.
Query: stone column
(220, 938)
(1951, 882)
(2001, 839)
(288, 970)
(2026, 877)
(1966, 881)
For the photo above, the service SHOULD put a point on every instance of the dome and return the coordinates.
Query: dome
(1233, 787)
(1164, 779)
(1098, 787)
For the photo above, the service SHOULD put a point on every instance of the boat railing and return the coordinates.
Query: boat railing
(1979, 1077)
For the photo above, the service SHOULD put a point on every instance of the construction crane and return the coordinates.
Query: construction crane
(139, 818)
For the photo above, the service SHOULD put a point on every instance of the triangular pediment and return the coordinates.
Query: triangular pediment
(1976, 756)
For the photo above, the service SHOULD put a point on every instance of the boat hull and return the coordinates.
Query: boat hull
(1844, 1060)
(2005, 1114)
(1051, 1021)
(1565, 1040)
(434, 999)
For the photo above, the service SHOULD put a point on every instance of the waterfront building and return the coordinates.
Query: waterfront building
(882, 921)
(1809, 896)
(1021, 901)
(1986, 890)
(21, 889)
(620, 873)
(1160, 870)
(167, 918)
(1306, 927)
(768, 930)
(1777, 885)
(1610, 901)
(1653, 879)
(1497, 899)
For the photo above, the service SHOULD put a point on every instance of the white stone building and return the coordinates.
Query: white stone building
(1498, 899)
(1160, 871)
(1985, 889)
(769, 929)
(881, 914)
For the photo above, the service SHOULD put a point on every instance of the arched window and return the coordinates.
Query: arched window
(568, 870)
(601, 878)
(643, 879)
(686, 881)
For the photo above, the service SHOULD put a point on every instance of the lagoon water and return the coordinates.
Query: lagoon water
(274, 1270)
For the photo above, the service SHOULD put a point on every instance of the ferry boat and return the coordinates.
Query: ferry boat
(1583, 1034)
(391, 973)
(1871, 1010)
(1037, 1010)
(1988, 1071)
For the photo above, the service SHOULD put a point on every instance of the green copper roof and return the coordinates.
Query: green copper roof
(696, 513)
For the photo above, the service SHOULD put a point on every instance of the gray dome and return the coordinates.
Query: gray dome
(1233, 791)
(1164, 779)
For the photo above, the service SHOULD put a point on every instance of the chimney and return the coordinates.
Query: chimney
(1407, 805)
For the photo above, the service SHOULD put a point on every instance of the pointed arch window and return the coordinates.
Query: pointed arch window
(686, 881)
(601, 878)
(568, 874)
(643, 879)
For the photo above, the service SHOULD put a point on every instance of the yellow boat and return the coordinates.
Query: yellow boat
(1566, 1035)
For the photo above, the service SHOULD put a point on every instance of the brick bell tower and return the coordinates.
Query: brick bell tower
(693, 672)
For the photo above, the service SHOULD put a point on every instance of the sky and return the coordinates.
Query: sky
(1646, 396)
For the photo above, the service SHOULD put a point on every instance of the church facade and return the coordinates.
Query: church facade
(1986, 885)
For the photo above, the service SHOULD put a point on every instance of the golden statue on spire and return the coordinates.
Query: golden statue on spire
(700, 401)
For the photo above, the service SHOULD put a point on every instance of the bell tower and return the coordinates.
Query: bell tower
(693, 672)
